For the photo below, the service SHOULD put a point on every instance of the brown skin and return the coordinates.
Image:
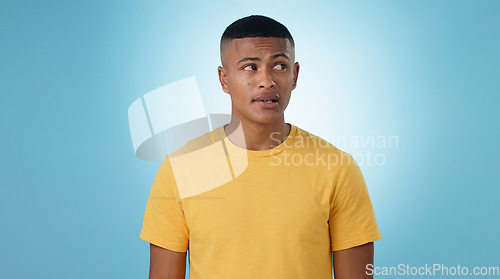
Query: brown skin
(271, 69)
(351, 263)
(166, 264)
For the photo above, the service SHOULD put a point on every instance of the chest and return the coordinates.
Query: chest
(262, 204)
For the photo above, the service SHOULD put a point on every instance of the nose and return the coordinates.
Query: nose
(266, 79)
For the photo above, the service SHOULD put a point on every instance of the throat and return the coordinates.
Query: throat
(257, 138)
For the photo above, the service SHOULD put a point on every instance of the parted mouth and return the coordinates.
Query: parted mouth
(270, 98)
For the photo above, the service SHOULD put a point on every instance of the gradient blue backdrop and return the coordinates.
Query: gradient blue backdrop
(73, 194)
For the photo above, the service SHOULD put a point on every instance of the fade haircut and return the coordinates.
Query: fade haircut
(255, 26)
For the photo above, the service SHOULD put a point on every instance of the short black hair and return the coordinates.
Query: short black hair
(255, 26)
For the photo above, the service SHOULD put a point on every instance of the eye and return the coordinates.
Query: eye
(250, 67)
(280, 67)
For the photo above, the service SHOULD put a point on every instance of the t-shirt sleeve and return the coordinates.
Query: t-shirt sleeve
(164, 223)
(352, 219)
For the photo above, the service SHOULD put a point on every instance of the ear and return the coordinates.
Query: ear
(296, 67)
(223, 79)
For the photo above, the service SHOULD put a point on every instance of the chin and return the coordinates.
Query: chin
(267, 120)
(261, 118)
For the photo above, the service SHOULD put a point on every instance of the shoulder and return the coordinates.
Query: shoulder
(321, 153)
(200, 165)
(198, 144)
(310, 140)
(197, 154)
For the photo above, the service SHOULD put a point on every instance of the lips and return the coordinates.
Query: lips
(268, 97)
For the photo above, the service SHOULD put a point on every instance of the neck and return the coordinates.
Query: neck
(257, 136)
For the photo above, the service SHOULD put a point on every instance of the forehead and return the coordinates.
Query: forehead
(257, 46)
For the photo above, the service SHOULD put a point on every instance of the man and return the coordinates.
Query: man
(259, 197)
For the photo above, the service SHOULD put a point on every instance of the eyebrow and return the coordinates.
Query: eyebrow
(282, 54)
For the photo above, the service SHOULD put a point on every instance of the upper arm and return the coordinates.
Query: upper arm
(352, 262)
(352, 218)
(164, 222)
(166, 264)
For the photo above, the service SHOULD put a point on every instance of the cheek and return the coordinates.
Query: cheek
(244, 81)
(288, 81)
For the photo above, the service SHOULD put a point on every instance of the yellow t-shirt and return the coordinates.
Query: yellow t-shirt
(277, 213)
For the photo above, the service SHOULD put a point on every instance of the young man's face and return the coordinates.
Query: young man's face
(259, 73)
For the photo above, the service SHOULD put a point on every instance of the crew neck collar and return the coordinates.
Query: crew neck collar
(257, 153)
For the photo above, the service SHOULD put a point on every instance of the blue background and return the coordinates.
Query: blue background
(73, 193)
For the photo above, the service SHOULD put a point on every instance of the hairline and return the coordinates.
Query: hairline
(226, 41)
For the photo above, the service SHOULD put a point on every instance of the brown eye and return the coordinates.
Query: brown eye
(280, 67)
(249, 68)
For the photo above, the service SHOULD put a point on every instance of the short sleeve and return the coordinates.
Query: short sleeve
(164, 223)
(352, 219)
